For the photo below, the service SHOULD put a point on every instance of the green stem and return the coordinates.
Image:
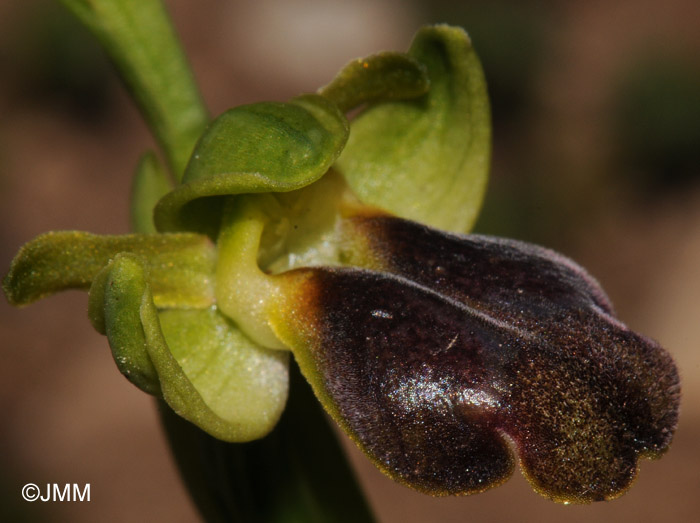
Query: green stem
(139, 38)
(296, 474)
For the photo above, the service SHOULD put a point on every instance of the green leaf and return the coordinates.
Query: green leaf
(384, 76)
(427, 159)
(140, 40)
(263, 147)
(180, 265)
(149, 185)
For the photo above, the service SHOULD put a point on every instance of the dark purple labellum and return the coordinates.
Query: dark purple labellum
(463, 346)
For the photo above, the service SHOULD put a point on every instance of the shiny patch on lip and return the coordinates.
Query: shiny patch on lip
(441, 379)
(380, 313)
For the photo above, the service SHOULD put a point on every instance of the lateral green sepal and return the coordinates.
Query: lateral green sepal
(196, 360)
(241, 383)
(427, 159)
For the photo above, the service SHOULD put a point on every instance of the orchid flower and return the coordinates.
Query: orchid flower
(447, 357)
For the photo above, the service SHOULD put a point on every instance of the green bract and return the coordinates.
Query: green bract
(143, 45)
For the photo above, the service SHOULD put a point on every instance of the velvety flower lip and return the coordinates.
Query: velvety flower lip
(447, 350)
(498, 274)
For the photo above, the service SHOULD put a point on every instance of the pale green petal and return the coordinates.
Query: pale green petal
(180, 266)
(383, 76)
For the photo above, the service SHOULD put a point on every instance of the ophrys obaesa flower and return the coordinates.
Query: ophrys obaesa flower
(294, 231)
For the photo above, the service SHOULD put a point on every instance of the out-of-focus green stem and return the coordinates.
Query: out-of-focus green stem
(149, 185)
(139, 38)
(296, 474)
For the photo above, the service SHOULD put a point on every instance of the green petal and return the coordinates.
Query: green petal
(150, 184)
(384, 76)
(180, 265)
(203, 367)
(427, 159)
(264, 147)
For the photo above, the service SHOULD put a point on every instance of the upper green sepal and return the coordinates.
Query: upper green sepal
(380, 77)
(263, 147)
(427, 159)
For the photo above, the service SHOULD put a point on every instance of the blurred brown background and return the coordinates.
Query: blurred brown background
(597, 154)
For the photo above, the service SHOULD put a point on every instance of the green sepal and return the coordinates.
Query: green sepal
(427, 159)
(263, 147)
(114, 310)
(380, 77)
(241, 383)
(180, 265)
(149, 185)
(96, 299)
(196, 360)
